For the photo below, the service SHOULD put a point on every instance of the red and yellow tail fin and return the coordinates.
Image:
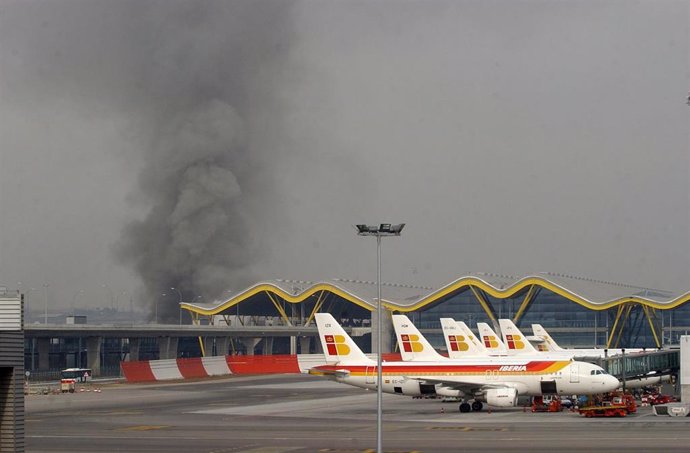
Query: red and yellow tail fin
(413, 345)
(337, 344)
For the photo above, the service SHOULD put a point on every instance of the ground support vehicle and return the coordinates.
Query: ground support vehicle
(610, 405)
(67, 385)
(657, 398)
(542, 404)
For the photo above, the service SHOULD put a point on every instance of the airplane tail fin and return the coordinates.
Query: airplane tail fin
(549, 342)
(337, 344)
(458, 341)
(514, 339)
(413, 346)
(493, 345)
(479, 346)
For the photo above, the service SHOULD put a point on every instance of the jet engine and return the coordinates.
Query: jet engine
(505, 397)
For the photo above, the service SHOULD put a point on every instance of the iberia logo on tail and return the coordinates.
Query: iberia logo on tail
(411, 343)
(490, 342)
(336, 345)
(457, 343)
(514, 342)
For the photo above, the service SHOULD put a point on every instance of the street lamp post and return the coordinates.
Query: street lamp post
(156, 316)
(179, 306)
(382, 230)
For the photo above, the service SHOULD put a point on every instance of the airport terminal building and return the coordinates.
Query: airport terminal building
(578, 312)
(276, 317)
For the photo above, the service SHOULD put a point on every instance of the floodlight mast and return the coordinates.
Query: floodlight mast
(382, 230)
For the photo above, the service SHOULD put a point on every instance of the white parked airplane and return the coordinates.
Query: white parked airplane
(513, 342)
(548, 344)
(496, 381)
(492, 342)
(517, 344)
(460, 340)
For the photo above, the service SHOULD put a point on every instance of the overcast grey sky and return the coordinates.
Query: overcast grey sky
(210, 145)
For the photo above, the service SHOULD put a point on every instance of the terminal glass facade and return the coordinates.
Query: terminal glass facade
(569, 323)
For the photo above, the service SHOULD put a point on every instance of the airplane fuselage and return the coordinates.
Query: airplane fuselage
(527, 376)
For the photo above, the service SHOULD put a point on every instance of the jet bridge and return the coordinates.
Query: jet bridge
(641, 364)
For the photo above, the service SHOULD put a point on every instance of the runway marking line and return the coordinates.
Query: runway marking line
(466, 428)
(269, 450)
(119, 413)
(368, 450)
(143, 428)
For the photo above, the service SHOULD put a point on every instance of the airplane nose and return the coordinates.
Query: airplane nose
(612, 383)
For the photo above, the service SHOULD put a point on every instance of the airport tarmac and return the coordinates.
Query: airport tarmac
(300, 413)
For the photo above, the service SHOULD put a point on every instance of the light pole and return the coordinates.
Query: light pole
(383, 230)
(179, 306)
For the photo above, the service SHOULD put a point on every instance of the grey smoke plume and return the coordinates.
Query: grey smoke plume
(199, 173)
(195, 237)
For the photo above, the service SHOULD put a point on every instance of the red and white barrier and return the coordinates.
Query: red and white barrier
(164, 370)
(216, 366)
(200, 367)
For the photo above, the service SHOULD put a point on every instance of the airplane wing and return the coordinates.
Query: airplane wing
(317, 371)
(468, 387)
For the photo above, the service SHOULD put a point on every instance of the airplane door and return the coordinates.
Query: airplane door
(370, 375)
(574, 372)
(549, 388)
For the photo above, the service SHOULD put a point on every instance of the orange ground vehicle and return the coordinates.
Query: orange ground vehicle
(541, 404)
(610, 405)
(657, 398)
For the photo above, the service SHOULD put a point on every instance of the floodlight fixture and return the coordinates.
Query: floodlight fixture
(383, 229)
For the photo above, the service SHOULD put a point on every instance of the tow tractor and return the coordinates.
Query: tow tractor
(610, 405)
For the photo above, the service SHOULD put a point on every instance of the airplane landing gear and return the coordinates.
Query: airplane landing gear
(477, 406)
(465, 407)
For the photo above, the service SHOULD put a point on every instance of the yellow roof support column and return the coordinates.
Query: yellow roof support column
(615, 324)
(280, 309)
(317, 307)
(523, 306)
(201, 345)
(622, 327)
(651, 325)
(484, 303)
